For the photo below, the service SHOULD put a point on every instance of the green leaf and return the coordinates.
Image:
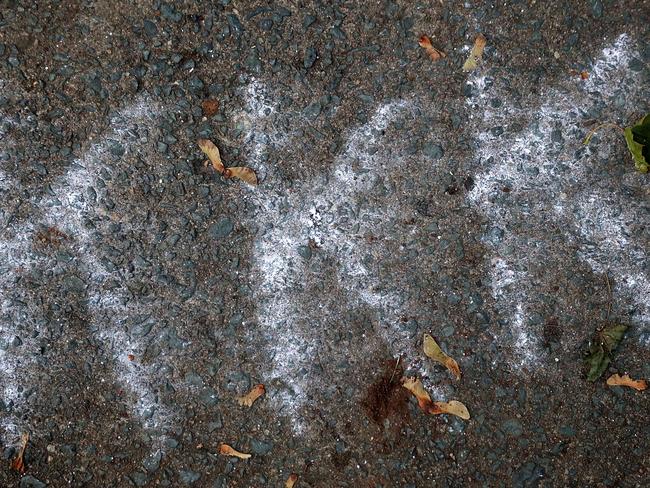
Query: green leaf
(612, 335)
(598, 360)
(601, 349)
(637, 138)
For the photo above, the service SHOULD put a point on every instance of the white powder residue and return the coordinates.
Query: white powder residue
(68, 212)
(325, 216)
(537, 172)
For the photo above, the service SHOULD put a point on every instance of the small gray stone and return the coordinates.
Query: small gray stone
(209, 397)
(139, 478)
(152, 462)
(597, 8)
(305, 252)
(149, 28)
(188, 477)
(29, 481)
(312, 110)
(73, 284)
(310, 57)
(222, 228)
(512, 427)
(261, 448)
(433, 151)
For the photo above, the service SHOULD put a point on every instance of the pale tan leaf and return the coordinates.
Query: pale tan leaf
(625, 380)
(226, 450)
(243, 173)
(249, 398)
(18, 463)
(291, 480)
(475, 54)
(452, 407)
(434, 54)
(433, 350)
(212, 152)
(414, 385)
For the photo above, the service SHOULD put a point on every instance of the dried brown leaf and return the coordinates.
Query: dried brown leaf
(245, 174)
(625, 380)
(249, 398)
(18, 463)
(452, 407)
(475, 54)
(209, 107)
(212, 152)
(226, 450)
(414, 385)
(291, 480)
(434, 54)
(433, 350)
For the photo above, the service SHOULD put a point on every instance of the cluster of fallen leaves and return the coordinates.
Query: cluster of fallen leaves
(474, 57)
(240, 172)
(601, 350)
(416, 388)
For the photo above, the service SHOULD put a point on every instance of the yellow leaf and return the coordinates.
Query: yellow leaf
(434, 54)
(453, 408)
(432, 349)
(243, 173)
(226, 450)
(476, 53)
(212, 152)
(291, 480)
(18, 463)
(625, 380)
(249, 398)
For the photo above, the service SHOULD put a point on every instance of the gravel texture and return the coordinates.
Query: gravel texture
(141, 293)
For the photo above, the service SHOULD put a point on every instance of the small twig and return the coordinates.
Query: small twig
(609, 291)
(395, 369)
(598, 127)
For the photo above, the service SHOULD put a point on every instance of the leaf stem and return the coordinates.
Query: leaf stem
(598, 127)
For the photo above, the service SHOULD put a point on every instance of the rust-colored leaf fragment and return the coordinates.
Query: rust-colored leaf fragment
(245, 174)
(212, 152)
(584, 75)
(433, 350)
(625, 380)
(226, 450)
(291, 480)
(209, 107)
(475, 54)
(414, 385)
(18, 463)
(434, 54)
(249, 398)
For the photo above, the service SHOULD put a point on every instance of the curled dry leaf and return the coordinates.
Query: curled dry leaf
(249, 398)
(291, 480)
(625, 380)
(212, 152)
(226, 450)
(18, 463)
(432, 349)
(434, 54)
(414, 385)
(475, 54)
